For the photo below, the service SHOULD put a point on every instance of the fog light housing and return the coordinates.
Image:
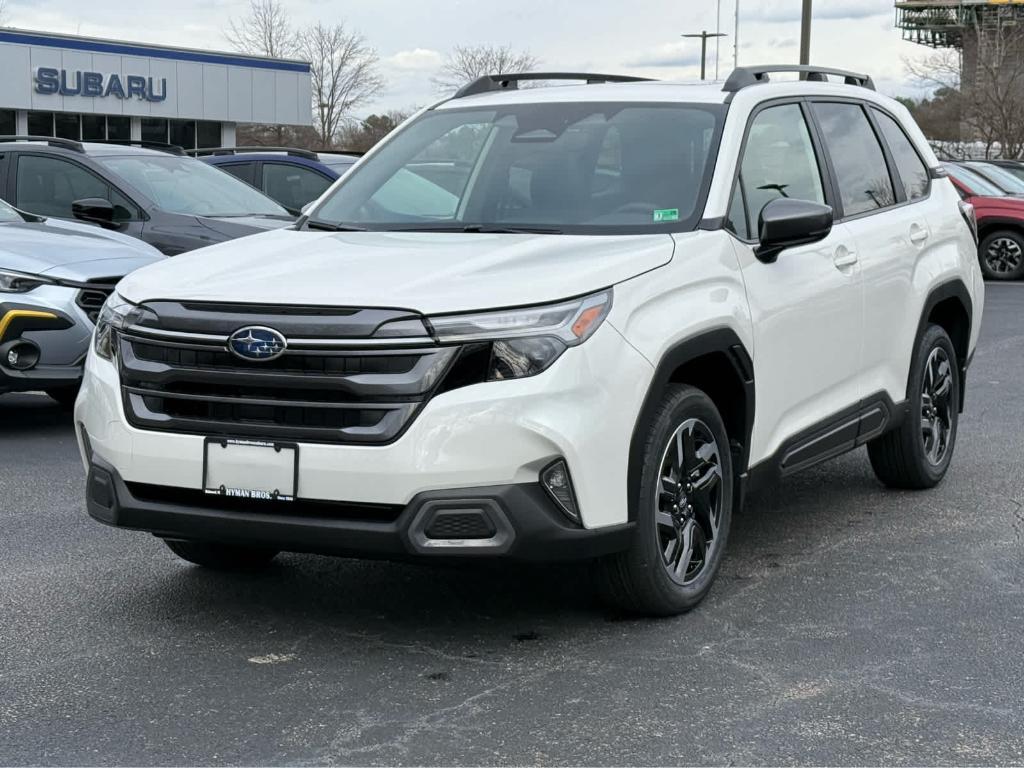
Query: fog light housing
(20, 355)
(557, 482)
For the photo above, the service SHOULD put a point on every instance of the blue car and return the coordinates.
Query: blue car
(292, 177)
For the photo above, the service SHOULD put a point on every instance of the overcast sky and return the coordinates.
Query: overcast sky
(626, 36)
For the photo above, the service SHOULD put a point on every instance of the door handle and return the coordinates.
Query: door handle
(918, 234)
(844, 257)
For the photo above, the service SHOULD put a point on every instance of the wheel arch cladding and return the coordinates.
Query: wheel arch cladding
(949, 306)
(717, 363)
(991, 224)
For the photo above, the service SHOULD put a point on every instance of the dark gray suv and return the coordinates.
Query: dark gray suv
(173, 202)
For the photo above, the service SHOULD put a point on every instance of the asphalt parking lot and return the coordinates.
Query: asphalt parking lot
(850, 625)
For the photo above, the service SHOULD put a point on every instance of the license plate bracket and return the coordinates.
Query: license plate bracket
(250, 469)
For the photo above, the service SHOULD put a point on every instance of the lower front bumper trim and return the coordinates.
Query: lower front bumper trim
(520, 522)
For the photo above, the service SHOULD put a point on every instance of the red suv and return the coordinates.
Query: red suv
(1000, 223)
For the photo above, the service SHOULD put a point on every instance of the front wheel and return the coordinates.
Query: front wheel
(1001, 255)
(684, 511)
(917, 455)
(222, 557)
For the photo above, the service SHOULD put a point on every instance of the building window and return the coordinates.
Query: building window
(208, 134)
(67, 126)
(40, 123)
(8, 122)
(94, 128)
(119, 128)
(183, 133)
(154, 129)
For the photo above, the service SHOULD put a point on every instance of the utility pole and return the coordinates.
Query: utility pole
(718, 42)
(805, 34)
(736, 38)
(704, 35)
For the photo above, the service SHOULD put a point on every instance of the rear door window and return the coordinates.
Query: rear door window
(857, 157)
(912, 170)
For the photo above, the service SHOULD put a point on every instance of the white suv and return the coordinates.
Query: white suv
(564, 322)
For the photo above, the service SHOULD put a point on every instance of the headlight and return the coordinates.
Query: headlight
(20, 282)
(116, 314)
(526, 341)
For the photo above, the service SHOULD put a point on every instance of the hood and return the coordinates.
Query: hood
(61, 251)
(239, 226)
(426, 272)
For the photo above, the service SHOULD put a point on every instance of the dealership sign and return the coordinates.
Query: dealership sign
(50, 81)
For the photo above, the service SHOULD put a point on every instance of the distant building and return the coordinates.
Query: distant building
(976, 28)
(89, 89)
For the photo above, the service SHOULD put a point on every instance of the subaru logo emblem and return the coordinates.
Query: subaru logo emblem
(257, 343)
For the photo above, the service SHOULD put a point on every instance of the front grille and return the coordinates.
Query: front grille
(342, 390)
(91, 298)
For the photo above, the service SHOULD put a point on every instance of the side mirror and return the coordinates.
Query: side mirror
(94, 210)
(785, 223)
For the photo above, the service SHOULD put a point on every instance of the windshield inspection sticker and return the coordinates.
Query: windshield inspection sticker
(666, 214)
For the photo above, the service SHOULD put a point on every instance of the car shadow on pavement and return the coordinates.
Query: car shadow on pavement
(299, 595)
(36, 414)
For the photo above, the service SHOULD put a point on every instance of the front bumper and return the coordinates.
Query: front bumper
(523, 523)
(48, 319)
(583, 409)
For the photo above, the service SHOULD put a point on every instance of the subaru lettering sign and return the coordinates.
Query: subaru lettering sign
(51, 81)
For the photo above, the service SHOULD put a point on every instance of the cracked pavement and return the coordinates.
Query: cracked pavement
(849, 625)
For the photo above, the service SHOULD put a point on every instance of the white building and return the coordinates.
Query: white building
(90, 89)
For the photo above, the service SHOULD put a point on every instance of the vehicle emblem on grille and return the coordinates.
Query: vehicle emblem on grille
(257, 343)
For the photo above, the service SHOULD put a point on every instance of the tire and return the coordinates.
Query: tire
(651, 577)
(64, 395)
(221, 557)
(917, 455)
(1001, 255)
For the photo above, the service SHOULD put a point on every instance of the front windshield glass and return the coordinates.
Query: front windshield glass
(191, 187)
(588, 168)
(8, 215)
(1003, 179)
(976, 184)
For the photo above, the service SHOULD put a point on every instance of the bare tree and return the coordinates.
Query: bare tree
(466, 63)
(361, 136)
(265, 31)
(343, 70)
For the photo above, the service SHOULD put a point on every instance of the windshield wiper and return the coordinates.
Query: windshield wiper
(325, 226)
(487, 230)
(484, 229)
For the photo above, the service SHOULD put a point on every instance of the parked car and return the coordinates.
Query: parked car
(652, 298)
(174, 203)
(1016, 167)
(54, 277)
(998, 176)
(1000, 220)
(293, 177)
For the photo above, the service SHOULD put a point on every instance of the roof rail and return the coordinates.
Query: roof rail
(511, 81)
(163, 146)
(292, 151)
(74, 146)
(352, 152)
(743, 77)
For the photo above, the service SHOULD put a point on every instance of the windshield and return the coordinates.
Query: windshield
(8, 215)
(587, 168)
(191, 187)
(975, 184)
(1003, 179)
